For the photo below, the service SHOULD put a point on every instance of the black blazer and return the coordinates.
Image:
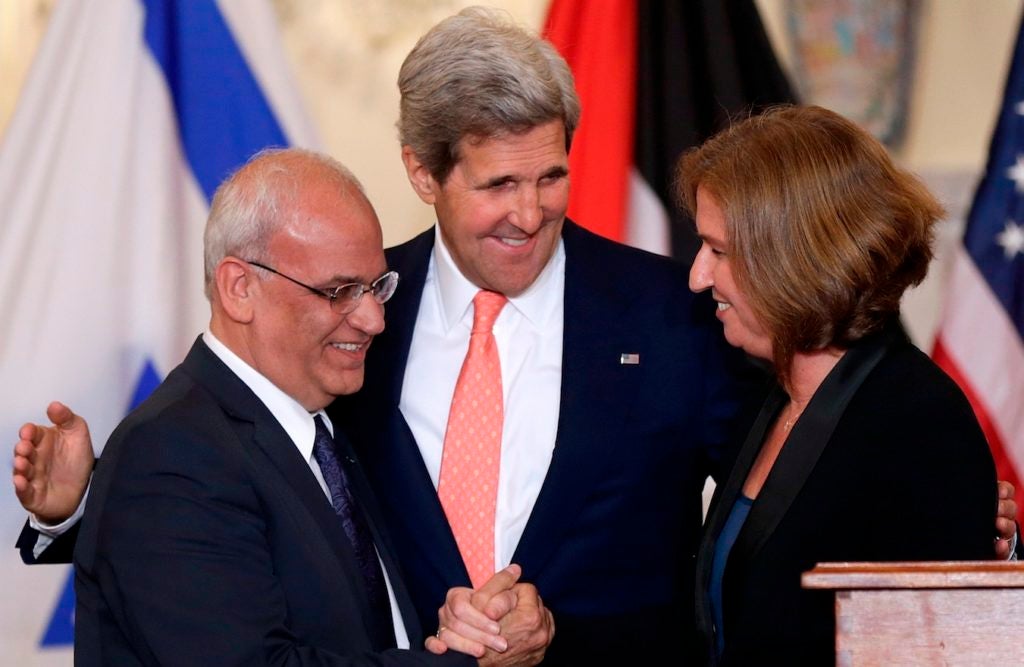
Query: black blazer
(887, 463)
(207, 541)
(611, 539)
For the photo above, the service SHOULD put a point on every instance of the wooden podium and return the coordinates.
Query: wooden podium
(942, 613)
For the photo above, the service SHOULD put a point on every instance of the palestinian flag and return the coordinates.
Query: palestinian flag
(655, 79)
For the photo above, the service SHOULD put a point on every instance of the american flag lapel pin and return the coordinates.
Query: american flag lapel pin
(629, 359)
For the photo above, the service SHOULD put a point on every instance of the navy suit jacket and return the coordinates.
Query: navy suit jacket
(207, 540)
(611, 540)
(886, 463)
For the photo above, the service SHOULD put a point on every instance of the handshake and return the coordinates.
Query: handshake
(503, 622)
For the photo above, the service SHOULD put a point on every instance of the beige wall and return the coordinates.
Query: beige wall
(22, 23)
(346, 55)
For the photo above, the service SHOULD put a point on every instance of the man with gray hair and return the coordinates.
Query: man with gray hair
(229, 522)
(614, 394)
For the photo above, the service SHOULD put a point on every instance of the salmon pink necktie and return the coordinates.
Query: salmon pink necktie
(468, 484)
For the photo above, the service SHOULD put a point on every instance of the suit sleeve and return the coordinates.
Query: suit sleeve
(932, 478)
(60, 550)
(176, 564)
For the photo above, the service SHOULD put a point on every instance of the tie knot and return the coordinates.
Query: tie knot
(321, 427)
(323, 438)
(486, 307)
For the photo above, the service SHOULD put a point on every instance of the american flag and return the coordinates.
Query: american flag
(981, 336)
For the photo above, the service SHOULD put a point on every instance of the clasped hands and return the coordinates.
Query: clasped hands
(503, 622)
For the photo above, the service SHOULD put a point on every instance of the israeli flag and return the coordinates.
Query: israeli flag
(133, 112)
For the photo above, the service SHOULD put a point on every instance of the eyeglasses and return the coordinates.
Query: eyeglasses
(345, 298)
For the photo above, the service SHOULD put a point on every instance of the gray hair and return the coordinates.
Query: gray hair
(261, 198)
(477, 73)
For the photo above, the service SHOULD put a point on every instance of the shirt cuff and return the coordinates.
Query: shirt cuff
(49, 532)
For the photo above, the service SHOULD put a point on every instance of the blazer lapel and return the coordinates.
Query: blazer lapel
(413, 502)
(805, 444)
(382, 540)
(723, 500)
(279, 449)
(255, 424)
(394, 460)
(389, 351)
(591, 346)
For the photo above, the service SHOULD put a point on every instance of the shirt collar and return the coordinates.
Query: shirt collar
(538, 304)
(289, 413)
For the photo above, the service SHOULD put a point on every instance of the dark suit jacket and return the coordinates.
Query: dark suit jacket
(611, 540)
(207, 541)
(887, 463)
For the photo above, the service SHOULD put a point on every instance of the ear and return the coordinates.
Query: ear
(423, 183)
(233, 285)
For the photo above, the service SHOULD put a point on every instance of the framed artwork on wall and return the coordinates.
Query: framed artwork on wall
(856, 57)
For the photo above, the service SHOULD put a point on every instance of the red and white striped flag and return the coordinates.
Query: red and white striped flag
(981, 336)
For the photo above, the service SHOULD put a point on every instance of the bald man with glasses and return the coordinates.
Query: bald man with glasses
(229, 521)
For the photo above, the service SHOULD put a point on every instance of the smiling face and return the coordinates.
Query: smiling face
(296, 339)
(712, 269)
(501, 209)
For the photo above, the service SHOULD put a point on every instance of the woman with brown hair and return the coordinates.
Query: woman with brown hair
(864, 450)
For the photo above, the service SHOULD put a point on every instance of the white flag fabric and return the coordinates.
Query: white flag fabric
(133, 112)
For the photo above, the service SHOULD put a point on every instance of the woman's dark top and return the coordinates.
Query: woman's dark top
(886, 463)
(723, 546)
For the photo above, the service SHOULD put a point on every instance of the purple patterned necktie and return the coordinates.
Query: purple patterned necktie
(354, 523)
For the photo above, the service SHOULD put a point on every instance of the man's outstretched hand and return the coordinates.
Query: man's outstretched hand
(52, 464)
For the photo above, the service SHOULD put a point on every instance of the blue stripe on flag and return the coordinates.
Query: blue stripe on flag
(148, 381)
(223, 115)
(996, 221)
(223, 118)
(60, 631)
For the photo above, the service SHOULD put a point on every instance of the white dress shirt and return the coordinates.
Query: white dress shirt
(299, 426)
(528, 333)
